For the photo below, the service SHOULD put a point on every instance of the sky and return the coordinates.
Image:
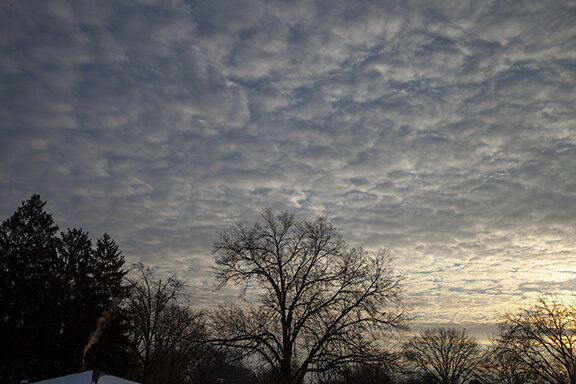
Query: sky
(442, 131)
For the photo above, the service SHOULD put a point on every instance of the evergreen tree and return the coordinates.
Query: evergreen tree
(58, 296)
(109, 347)
(108, 268)
(79, 306)
(27, 255)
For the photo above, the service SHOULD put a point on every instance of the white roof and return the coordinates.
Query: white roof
(86, 378)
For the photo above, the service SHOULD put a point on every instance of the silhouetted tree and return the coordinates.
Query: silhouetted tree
(501, 367)
(322, 304)
(110, 348)
(53, 290)
(27, 257)
(78, 308)
(542, 339)
(167, 333)
(91, 288)
(359, 374)
(108, 263)
(444, 355)
(217, 364)
(114, 351)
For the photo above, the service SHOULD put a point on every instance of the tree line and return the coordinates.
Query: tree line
(326, 313)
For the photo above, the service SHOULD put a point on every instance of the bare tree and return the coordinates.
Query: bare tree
(445, 355)
(502, 367)
(322, 304)
(542, 339)
(167, 333)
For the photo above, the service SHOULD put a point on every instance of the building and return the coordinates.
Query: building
(87, 377)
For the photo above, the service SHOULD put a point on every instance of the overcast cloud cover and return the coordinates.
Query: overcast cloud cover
(443, 131)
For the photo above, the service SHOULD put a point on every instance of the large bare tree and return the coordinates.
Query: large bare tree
(500, 366)
(542, 339)
(445, 355)
(321, 303)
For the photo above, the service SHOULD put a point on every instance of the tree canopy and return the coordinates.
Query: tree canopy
(322, 304)
(53, 290)
(445, 355)
(314, 306)
(541, 339)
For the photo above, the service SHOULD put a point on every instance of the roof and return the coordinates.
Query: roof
(87, 377)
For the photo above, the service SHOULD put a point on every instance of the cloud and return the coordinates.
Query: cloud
(441, 132)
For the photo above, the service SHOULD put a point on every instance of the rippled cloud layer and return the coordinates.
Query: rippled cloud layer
(443, 131)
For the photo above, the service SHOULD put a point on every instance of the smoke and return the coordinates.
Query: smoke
(101, 324)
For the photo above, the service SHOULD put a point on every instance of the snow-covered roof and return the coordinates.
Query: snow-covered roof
(87, 377)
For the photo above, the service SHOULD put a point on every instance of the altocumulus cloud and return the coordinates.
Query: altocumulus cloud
(442, 131)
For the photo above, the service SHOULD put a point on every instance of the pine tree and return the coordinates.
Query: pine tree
(27, 257)
(109, 347)
(108, 268)
(91, 289)
(78, 308)
(58, 296)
